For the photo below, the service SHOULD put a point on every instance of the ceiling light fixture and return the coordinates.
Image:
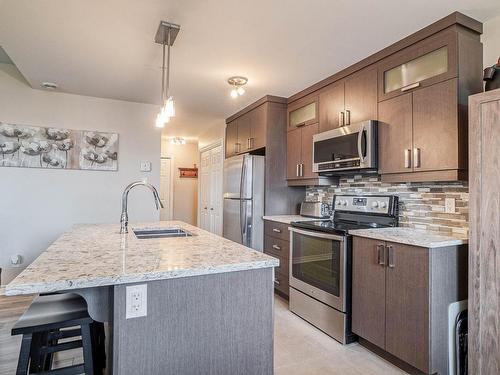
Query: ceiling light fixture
(49, 85)
(237, 83)
(178, 141)
(165, 35)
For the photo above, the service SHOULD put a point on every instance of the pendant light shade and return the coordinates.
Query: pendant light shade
(166, 34)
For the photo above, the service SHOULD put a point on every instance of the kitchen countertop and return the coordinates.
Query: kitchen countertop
(287, 219)
(91, 255)
(410, 236)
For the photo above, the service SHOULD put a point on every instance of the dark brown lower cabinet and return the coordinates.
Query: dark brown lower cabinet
(400, 298)
(277, 244)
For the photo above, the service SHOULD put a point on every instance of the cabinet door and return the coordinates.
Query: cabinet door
(258, 121)
(361, 96)
(293, 153)
(303, 111)
(368, 290)
(231, 138)
(331, 106)
(395, 135)
(307, 150)
(244, 133)
(407, 304)
(435, 127)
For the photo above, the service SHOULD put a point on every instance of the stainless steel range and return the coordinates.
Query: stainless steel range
(320, 260)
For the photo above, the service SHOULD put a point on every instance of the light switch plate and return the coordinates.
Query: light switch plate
(145, 166)
(136, 301)
(449, 205)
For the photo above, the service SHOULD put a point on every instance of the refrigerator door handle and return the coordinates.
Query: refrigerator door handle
(242, 221)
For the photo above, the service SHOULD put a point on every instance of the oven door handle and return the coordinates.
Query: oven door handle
(317, 234)
(362, 132)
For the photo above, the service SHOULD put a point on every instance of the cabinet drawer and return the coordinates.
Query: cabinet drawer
(284, 263)
(281, 283)
(276, 230)
(276, 247)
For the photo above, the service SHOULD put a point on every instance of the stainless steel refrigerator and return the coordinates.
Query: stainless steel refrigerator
(244, 200)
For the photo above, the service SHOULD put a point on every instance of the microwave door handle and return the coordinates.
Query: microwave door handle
(361, 133)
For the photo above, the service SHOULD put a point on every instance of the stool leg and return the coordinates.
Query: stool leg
(24, 355)
(37, 360)
(87, 349)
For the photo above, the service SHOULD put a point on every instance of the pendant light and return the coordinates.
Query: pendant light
(165, 35)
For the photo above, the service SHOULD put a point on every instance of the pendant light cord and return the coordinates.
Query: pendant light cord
(167, 93)
(163, 73)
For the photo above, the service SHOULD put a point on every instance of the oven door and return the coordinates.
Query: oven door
(318, 266)
(345, 148)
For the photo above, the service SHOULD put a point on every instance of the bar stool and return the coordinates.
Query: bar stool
(51, 318)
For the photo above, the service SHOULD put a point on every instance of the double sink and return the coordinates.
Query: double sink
(144, 234)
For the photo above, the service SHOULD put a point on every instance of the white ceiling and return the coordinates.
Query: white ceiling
(106, 49)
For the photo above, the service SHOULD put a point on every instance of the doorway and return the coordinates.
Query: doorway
(211, 169)
(166, 188)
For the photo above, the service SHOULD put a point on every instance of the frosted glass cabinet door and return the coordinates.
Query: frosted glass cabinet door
(302, 112)
(414, 71)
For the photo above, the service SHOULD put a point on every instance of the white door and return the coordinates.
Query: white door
(211, 190)
(166, 188)
(205, 190)
(217, 160)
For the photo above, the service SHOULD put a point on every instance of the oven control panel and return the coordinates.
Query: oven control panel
(381, 204)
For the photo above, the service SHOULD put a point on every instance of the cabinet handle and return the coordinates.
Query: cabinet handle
(381, 255)
(347, 117)
(276, 247)
(297, 170)
(300, 124)
(276, 230)
(205, 208)
(276, 282)
(390, 256)
(341, 118)
(407, 158)
(409, 87)
(416, 157)
(211, 208)
(248, 143)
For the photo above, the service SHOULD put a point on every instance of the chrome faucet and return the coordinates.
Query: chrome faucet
(124, 216)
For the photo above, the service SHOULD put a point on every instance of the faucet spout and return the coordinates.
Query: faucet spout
(124, 215)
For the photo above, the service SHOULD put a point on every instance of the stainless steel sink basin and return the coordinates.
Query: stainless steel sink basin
(143, 234)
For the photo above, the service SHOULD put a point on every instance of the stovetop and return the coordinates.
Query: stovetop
(334, 227)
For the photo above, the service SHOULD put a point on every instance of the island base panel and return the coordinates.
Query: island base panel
(211, 324)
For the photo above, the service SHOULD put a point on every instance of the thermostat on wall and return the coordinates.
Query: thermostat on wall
(145, 166)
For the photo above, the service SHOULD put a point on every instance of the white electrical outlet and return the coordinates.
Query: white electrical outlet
(145, 166)
(136, 301)
(449, 205)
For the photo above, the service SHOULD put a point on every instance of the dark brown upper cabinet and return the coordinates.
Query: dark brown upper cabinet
(331, 107)
(302, 112)
(299, 152)
(244, 133)
(361, 96)
(231, 138)
(349, 101)
(425, 63)
(258, 122)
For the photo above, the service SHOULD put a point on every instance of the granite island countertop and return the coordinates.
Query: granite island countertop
(92, 255)
(410, 236)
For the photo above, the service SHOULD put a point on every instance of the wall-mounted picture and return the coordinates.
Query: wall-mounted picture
(188, 172)
(55, 148)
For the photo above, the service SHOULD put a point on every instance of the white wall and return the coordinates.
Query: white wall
(185, 194)
(491, 41)
(37, 205)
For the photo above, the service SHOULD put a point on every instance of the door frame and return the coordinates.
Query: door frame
(217, 143)
(171, 187)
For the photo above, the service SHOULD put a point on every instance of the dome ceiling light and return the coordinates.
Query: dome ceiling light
(177, 141)
(165, 35)
(237, 83)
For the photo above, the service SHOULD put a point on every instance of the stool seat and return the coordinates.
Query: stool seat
(53, 312)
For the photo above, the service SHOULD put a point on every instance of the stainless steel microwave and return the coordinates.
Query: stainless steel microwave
(350, 147)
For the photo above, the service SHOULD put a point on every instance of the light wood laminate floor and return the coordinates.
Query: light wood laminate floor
(299, 347)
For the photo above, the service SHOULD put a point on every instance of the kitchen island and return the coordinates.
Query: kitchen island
(209, 300)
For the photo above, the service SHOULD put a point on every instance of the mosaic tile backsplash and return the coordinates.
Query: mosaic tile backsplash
(421, 204)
